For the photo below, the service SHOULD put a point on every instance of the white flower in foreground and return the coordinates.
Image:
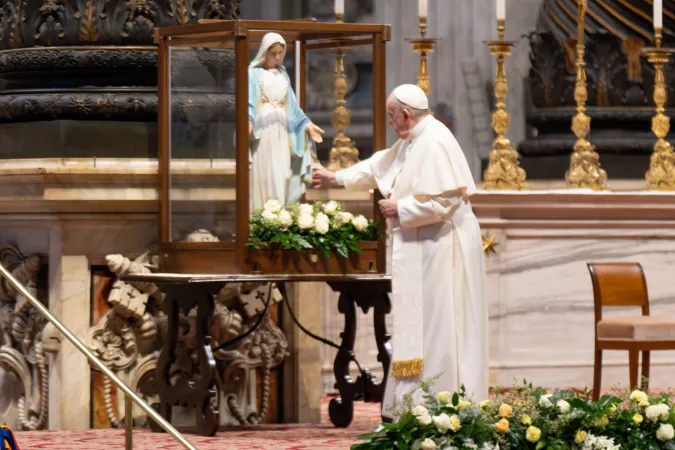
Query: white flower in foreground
(656, 412)
(599, 442)
(272, 206)
(306, 208)
(545, 401)
(428, 444)
(269, 217)
(360, 223)
(343, 218)
(420, 410)
(285, 219)
(305, 221)
(442, 422)
(563, 406)
(321, 223)
(665, 432)
(422, 414)
(331, 207)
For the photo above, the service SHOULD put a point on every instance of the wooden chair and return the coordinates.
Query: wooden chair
(624, 284)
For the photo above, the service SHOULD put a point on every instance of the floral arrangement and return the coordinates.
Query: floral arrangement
(322, 226)
(529, 418)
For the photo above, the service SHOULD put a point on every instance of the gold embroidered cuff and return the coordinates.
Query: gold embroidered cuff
(407, 369)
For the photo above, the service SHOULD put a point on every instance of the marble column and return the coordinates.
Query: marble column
(69, 301)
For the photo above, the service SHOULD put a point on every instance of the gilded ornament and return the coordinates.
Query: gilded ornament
(423, 45)
(343, 152)
(489, 243)
(584, 171)
(661, 173)
(503, 171)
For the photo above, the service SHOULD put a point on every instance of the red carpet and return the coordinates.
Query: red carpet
(262, 437)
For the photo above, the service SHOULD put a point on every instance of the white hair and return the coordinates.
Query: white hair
(414, 112)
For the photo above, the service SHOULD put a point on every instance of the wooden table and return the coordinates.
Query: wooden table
(183, 292)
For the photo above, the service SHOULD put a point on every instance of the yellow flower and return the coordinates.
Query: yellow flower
(580, 437)
(455, 424)
(611, 410)
(640, 398)
(533, 434)
(484, 404)
(463, 404)
(502, 426)
(505, 410)
(637, 418)
(444, 397)
(601, 422)
(526, 420)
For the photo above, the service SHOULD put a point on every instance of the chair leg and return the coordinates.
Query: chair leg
(597, 374)
(633, 356)
(645, 370)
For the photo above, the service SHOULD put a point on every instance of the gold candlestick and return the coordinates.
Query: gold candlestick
(503, 171)
(661, 173)
(585, 171)
(423, 46)
(343, 153)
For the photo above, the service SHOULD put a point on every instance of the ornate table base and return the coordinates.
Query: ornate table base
(194, 385)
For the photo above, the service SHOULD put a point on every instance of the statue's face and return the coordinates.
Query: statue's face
(274, 56)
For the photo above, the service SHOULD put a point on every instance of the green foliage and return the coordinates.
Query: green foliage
(341, 234)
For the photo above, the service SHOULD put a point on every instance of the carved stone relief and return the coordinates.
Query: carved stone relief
(128, 339)
(26, 338)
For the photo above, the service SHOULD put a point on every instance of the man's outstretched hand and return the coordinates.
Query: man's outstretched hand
(322, 178)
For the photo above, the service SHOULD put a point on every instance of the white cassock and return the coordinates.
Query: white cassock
(440, 321)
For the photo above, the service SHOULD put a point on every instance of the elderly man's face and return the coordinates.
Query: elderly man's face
(400, 118)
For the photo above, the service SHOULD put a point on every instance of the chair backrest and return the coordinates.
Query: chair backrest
(618, 284)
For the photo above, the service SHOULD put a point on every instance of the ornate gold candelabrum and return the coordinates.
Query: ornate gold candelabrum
(503, 171)
(423, 45)
(584, 171)
(343, 153)
(661, 173)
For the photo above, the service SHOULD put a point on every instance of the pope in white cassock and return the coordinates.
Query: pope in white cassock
(438, 272)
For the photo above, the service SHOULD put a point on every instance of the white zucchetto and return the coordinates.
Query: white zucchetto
(411, 95)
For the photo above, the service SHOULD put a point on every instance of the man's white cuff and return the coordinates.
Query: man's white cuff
(339, 179)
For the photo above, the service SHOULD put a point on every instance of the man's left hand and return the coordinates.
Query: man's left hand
(389, 208)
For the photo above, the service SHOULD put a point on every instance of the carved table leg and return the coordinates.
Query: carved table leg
(195, 387)
(367, 387)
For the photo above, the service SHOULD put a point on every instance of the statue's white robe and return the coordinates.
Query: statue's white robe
(437, 266)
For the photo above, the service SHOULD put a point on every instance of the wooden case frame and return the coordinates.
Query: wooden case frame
(301, 35)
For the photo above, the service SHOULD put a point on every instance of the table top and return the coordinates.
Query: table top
(177, 278)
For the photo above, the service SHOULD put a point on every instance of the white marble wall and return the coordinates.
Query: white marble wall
(541, 306)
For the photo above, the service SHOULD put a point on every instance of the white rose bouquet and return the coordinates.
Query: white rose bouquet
(322, 226)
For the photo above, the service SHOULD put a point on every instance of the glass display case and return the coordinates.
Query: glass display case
(206, 174)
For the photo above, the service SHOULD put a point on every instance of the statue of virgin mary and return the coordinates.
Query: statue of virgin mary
(282, 138)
